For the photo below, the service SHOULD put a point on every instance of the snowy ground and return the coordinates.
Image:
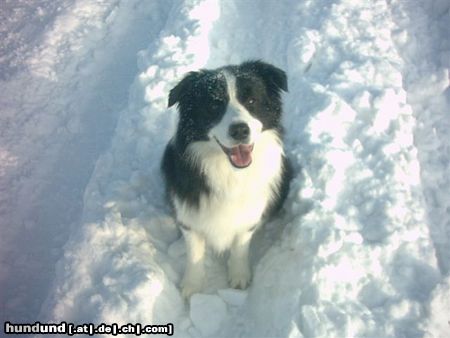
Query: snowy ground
(363, 245)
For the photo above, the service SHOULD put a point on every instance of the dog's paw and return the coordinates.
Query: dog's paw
(239, 277)
(189, 287)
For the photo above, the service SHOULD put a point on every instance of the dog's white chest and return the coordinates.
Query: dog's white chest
(238, 197)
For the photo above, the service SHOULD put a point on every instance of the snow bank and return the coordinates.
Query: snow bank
(60, 99)
(423, 41)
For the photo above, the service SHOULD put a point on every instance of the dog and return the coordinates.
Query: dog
(225, 169)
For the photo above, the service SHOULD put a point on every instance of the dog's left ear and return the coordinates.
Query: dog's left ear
(274, 77)
(183, 88)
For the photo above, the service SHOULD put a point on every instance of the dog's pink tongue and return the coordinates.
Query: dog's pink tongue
(241, 156)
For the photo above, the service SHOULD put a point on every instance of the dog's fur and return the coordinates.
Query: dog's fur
(225, 168)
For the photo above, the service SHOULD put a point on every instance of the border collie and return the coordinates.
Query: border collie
(225, 168)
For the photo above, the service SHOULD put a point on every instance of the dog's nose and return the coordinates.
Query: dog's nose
(239, 131)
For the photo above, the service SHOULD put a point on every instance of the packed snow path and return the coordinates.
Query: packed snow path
(363, 245)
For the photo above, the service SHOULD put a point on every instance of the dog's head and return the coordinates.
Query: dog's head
(230, 107)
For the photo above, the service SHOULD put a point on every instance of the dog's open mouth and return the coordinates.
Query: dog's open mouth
(240, 156)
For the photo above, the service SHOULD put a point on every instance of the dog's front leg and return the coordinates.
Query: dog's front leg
(238, 264)
(195, 256)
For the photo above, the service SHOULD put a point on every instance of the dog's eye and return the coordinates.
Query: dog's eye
(251, 100)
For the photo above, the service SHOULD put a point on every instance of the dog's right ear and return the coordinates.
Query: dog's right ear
(274, 77)
(183, 88)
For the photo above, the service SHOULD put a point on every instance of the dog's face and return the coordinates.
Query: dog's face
(230, 107)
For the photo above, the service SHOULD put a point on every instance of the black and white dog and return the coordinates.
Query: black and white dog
(225, 168)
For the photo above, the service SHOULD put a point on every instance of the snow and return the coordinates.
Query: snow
(207, 312)
(362, 247)
(233, 296)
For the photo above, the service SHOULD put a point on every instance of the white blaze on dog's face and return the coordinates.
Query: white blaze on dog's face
(238, 130)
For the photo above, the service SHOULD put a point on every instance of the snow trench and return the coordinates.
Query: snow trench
(361, 247)
(350, 256)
